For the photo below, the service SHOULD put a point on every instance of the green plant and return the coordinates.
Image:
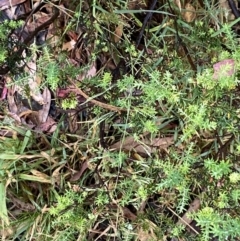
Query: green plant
(131, 173)
(203, 107)
(70, 102)
(49, 68)
(214, 224)
(8, 43)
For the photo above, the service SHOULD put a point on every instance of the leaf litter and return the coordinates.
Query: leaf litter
(41, 120)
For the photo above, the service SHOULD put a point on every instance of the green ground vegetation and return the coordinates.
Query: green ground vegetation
(88, 184)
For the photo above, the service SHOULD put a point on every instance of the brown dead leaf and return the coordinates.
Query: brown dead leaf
(179, 5)
(69, 45)
(14, 116)
(52, 129)
(73, 122)
(32, 83)
(28, 7)
(162, 142)
(76, 176)
(145, 146)
(4, 92)
(56, 176)
(129, 144)
(128, 214)
(4, 4)
(11, 102)
(40, 176)
(30, 117)
(189, 13)
(6, 232)
(136, 4)
(35, 93)
(118, 33)
(43, 113)
(73, 35)
(194, 206)
(48, 126)
(63, 93)
(39, 19)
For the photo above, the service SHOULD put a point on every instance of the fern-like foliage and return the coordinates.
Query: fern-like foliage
(49, 68)
(52, 75)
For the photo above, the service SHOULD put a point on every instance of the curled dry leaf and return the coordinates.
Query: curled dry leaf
(33, 85)
(11, 103)
(72, 121)
(189, 13)
(29, 117)
(118, 33)
(15, 117)
(4, 92)
(76, 176)
(48, 126)
(39, 19)
(73, 36)
(64, 93)
(163, 142)
(179, 5)
(56, 175)
(39, 177)
(52, 129)
(43, 113)
(69, 45)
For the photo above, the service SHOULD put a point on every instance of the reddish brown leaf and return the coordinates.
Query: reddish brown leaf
(4, 93)
(48, 126)
(76, 176)
(4, 4)
(144, 146)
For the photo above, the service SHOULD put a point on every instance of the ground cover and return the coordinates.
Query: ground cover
(119, 120)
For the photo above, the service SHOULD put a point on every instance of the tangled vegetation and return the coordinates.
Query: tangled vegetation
(146, 141)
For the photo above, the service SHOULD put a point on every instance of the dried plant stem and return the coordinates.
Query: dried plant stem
(96, 102)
